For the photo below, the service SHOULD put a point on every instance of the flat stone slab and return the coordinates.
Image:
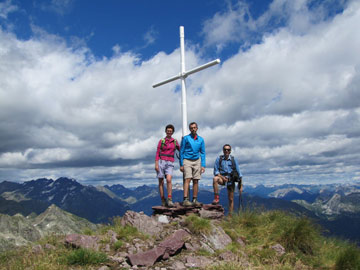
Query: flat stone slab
(179, 210)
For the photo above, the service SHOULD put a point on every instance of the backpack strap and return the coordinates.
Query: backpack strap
(220, 161)
(233, 166)
(162, 146)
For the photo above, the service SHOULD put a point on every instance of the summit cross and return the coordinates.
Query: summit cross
(182, 76)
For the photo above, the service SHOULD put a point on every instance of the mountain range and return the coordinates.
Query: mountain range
(335, 207)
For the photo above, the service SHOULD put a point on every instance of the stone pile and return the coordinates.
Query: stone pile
(205, 211)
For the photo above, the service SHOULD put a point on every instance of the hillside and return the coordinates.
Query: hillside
(18, 230)
(252, 240)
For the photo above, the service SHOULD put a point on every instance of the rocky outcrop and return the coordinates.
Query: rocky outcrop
(164, 250)
(205, 210)
(142, 222)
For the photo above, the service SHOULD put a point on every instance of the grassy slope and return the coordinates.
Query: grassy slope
(304, 245)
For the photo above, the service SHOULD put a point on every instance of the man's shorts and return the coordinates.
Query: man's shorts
(192, 169)
(165, 168)
(230, 185)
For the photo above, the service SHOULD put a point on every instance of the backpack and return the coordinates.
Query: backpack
(234, 175)
(162, 146)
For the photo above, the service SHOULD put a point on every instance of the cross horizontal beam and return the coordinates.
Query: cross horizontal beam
(187, 73)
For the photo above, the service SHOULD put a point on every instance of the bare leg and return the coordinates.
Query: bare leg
(186, 187)
(195, 187)
(231, 200)
(161, 187)
(169, 185)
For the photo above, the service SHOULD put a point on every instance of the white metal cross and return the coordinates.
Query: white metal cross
(183, 74)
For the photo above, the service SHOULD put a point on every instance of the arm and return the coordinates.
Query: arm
(182, 150)
(202, 154)
(157, 157)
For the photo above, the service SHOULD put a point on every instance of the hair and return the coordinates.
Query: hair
(227, 145)
(170, 126)
(192, 123)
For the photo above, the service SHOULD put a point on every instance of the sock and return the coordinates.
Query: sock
(169, 196)
(163, 198)
(185, 198)
(194, 198)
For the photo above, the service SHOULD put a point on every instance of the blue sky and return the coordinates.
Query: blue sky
(76, 97)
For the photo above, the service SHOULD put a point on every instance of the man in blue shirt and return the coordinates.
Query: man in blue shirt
(222, 176)
(192, 163)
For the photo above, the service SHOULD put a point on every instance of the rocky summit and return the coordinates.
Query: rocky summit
(171, 245)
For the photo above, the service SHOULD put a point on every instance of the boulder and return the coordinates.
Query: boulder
(217, 238)
(82, 241)
(170, 246)
(142, 222)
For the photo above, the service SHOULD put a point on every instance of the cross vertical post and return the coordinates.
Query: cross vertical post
(182, 76)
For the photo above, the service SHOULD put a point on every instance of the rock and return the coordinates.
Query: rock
(113, 236)
(49, 246)
(116, 259)
(142, 222)
(241, 242)
(211, 214)
(37, 249)
(164, 250)
(217, 238)
(104, 268)
(280, 250)
(178, 265)
(200, 261)
(228, 256)
(163, 219)
(83, 241)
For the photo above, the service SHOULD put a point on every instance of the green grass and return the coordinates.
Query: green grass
(197, 224)
(305, 247)
(84, 256)
(348, 259)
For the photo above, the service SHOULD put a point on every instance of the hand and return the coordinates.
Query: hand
(202, 170)
(157, 168)
(181, 168)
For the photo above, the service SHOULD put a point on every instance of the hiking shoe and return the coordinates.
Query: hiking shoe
(215, 201)
(186, 202)
(170, 203)
(163, 203)
(196, 203)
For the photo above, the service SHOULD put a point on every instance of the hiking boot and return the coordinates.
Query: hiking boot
(215, 201)
(196, 203)
(163, 203)
(186, 203)
(170, 203)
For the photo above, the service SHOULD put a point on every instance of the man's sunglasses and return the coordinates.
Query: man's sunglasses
(227, 149)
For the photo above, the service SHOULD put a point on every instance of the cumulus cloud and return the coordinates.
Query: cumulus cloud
(288, 105)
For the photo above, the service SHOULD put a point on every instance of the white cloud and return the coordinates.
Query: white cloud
(288, 105)
(6, 8)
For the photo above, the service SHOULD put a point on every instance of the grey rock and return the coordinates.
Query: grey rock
(280, 250)
(228, 256)
(83, 241)
(37, 249)
(218, 239)
(211, 214)
(104, 268)
(113, 236)
(178, 265)
(142, 222)
(197, 261)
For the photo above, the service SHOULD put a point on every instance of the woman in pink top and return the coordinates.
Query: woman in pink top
(164, 163)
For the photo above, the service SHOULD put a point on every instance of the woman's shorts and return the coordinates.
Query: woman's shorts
(165, 168)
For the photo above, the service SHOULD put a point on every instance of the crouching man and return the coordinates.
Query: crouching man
(226, 172)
